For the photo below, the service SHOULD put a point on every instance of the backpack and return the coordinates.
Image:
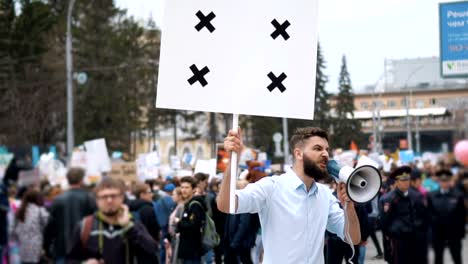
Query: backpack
(210, 239)
(86, 230)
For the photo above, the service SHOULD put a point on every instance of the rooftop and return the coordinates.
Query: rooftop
(419, 74)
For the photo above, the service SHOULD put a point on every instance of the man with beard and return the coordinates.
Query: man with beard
(111, 235)
(294, 209)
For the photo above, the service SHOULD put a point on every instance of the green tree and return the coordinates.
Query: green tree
(346, 127)
(28, 99)
(322, 116)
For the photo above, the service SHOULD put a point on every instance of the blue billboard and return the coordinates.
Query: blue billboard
(453, 19)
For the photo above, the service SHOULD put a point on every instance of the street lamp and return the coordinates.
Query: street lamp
(376, 119)
(68, 50)
(408, 103)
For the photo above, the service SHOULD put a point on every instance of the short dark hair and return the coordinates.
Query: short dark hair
(109, 183)
(200, 176)
(304, 133)
(140, 188)
(75, 175)
(189, 179)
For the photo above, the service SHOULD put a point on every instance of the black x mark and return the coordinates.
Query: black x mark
(277, 82)
(280, 29)
(205, 21)
(198, 76)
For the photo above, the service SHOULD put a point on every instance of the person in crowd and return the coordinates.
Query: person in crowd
(373, 226)
(218, 217)
(65, 212)
(158, 189)
(338, 250)
(4, 209)
(201, 190)
(163, 209)
(13, 247)
(31, 219)
(240, 234)
(460, 181)
(416, 183)
(294, 208)
(405, 220)
(430, 183)
(386, 239)
(190, 247)
(202, 183)
(174, 218)
(50, 194)
(447, 211)
(142, 209)
(111, 235)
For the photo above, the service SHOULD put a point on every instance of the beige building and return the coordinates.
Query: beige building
(437, 112)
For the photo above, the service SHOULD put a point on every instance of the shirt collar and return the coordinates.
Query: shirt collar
(444, 191)
(297, 183)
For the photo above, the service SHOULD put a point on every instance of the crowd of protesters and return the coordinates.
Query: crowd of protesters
(420, 206)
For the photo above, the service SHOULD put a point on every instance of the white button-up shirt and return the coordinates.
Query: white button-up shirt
(293, 220)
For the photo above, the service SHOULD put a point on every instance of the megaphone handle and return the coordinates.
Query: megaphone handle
(347, 234)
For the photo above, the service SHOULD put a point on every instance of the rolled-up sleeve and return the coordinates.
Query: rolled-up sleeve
(336, 218)
(254, 197)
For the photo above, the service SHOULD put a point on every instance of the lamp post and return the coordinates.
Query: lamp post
(69, 63)
(376, 119)
(407, 105)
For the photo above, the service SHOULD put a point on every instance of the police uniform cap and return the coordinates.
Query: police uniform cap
(444, 175)
(401, 173)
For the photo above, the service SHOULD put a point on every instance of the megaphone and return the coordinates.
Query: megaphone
(362, 183)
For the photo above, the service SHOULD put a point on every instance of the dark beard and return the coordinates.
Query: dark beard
(312, 170)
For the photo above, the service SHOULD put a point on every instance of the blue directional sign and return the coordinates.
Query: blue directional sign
(453, 19)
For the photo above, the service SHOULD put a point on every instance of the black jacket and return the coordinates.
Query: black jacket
(147, 216)
(403, 216)
(218, 217)
(241, 231)
(119, 245)
(447, 213)
(362, 214)
(65, 212)
(190, 229)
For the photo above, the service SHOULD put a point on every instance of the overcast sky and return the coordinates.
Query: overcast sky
(366, 31)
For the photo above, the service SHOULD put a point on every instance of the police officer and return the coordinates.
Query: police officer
(384, 199)
(447, 210)
(405, 220)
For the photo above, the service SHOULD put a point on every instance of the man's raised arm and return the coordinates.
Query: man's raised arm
(233, 142)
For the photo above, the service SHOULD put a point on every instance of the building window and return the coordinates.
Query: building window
(200, 153)
(420, 103)
(403, 102)
(364, 105)
(391, 104)
(172, 152)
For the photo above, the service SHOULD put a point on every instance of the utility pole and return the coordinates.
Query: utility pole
(376, 120)
(408, 105)
(69, 63)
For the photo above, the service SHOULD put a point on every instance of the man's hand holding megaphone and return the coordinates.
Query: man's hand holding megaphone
(343, 195)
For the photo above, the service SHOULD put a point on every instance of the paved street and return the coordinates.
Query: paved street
(371, 252)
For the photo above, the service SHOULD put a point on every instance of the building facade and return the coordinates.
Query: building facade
(412, 99)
